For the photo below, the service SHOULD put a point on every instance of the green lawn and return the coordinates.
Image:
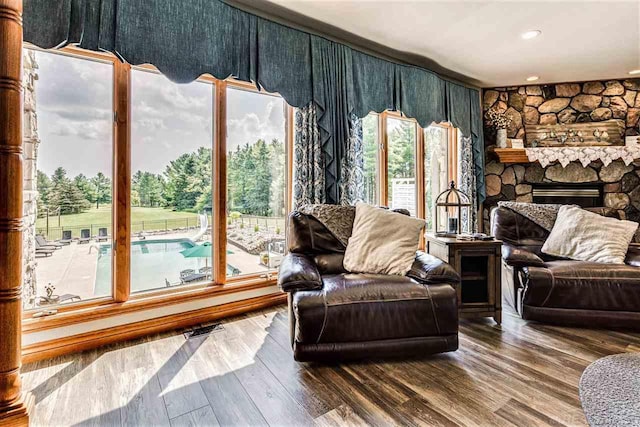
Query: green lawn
(103, 216)
(142, 219)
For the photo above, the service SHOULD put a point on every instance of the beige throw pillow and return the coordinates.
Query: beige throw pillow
(382, 242)
(586, 236)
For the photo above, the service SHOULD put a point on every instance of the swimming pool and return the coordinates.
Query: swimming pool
(153, 262)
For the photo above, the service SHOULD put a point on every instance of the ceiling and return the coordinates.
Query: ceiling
(580, 40)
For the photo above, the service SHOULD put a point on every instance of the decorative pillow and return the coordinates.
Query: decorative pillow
(586, 236)
(382, 242)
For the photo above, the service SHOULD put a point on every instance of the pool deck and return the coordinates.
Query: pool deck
(72, 269)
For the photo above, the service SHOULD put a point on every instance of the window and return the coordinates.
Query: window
(371, 146)
(406, 166)
(171, 143)
(436, 170)
(401, 164)
(68, 145)
(256, 182)
(171, 194)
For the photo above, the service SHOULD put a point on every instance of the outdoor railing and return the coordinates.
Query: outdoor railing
(55, 233)
(267, 223)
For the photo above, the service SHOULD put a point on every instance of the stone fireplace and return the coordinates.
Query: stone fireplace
(619, 184)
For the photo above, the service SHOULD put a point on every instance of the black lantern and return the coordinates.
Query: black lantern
(450, 204)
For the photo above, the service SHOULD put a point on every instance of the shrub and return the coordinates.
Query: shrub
(256, 228)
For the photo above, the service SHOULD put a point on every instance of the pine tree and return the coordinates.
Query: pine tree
(44, 186)
(85, 185)
(262, 179)
(101, 186)
(64, 194)
(278, 178)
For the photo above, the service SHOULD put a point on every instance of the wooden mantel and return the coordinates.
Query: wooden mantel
(511, 155)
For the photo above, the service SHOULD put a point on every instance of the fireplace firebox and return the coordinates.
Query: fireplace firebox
(586, 195)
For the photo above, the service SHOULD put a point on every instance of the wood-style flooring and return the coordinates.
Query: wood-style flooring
(518, 373)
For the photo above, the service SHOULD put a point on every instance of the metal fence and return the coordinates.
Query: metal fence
(55, 233)
(264, 223)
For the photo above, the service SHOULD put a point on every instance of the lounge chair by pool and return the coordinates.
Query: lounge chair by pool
(66, 237)
(190, 275)
(43, 251)
(46, 244)
(102, 235)
(56, 299)
(85, 236)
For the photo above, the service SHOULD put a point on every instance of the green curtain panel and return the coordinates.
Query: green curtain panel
(332, 74)
(187, 38)
(374, 83)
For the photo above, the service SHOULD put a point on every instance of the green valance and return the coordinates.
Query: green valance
(187, 38)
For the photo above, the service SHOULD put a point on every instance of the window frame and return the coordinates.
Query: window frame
(383, 158)
(121, 300)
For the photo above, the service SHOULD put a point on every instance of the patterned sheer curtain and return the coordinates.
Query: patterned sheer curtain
(308, 161)
(467, 183)
(352, 175)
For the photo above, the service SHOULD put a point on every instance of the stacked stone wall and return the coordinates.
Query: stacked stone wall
(564, 103)
(30, 178)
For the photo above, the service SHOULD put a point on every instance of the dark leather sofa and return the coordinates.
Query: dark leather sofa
(335, 315)
(561, 291)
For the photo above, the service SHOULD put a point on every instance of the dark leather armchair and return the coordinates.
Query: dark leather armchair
(336, 315)
(561, 291)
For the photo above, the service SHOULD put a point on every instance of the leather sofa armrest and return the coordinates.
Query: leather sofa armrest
(298, 272)
(633, 256)
(428, 269)
(517, 257)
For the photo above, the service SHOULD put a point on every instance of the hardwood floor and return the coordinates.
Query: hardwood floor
(516, 374)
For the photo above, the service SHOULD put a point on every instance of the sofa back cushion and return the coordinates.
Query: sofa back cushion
(307, 235)
(382, 242)
(516, 230)
(586, 236)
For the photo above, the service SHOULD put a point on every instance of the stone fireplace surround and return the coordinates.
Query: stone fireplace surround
(542, 105)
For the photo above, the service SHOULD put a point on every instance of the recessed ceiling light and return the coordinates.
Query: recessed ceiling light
(531, 34)
(634, 72)
(532, 78)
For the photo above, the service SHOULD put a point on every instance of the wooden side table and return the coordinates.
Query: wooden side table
(478, 263)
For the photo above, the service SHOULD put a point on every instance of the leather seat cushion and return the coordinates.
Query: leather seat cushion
(583, 285)
(368, 307)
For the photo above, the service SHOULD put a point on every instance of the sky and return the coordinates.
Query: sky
(74, 106)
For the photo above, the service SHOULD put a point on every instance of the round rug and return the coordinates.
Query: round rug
(610, 391)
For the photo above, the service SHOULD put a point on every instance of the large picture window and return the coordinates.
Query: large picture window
(256, 182)
(371, 148)
(68, 146)
(401, 164)
(171, 193)
(172, 144)
(436, 170)
(406, 166)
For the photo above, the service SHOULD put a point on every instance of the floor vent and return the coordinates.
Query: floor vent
(202, 330)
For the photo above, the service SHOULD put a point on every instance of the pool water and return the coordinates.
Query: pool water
(153, 262)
